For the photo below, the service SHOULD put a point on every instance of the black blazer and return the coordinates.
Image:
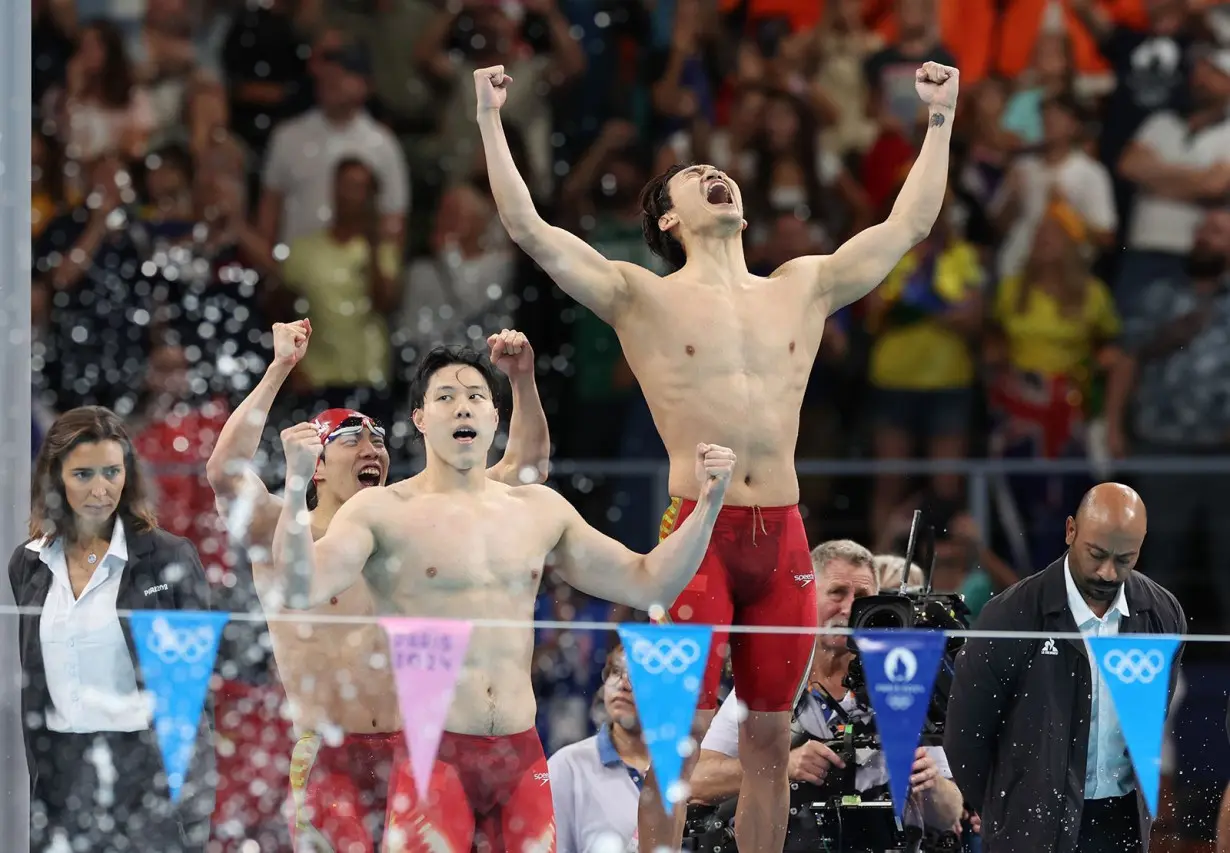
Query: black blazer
(163, 572)
(1017, 731)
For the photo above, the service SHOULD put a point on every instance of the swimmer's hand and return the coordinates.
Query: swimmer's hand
(290, 341)
(491, 86)
(303, 448)
(937, 85)
(714, 466)
(511, 353)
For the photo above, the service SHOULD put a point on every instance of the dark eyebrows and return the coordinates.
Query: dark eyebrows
(1102, 550)
(442, 388)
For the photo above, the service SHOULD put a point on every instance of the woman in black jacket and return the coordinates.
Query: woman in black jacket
(97, 777)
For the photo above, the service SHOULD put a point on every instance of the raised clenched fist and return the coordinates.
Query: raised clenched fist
(714, 467)
(303, 447)
(491, 86)
(937, 85)
(511, 353)
(290, 341)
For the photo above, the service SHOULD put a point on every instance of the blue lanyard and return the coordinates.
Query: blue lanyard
(830, 708)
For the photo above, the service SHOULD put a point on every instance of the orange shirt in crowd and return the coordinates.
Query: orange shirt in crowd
(969, 29)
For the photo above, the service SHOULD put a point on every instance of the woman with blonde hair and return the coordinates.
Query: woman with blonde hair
(1055, 373)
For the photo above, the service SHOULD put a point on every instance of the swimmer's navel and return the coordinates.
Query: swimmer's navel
(747, 479)
(792, 346)
(534, 574)
(690, 350)
(431, 571)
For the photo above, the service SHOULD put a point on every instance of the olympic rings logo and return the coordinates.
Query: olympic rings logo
(190, 645)
(670, 656)
(1134, 666)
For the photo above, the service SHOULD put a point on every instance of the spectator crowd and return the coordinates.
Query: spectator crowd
(204, 168)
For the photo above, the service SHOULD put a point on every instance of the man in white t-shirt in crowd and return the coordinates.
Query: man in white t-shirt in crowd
(1180, 164)
(464, 287)
(297, 186)
(596, 782)
(844, 572)
(1061, 168)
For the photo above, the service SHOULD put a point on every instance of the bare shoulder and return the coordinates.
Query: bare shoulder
(369, 504)
(251, 512)
(810, 276)
(635, 276)
(808, 269)
(545, 500)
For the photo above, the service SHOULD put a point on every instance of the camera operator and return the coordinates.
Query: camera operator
(844, 572)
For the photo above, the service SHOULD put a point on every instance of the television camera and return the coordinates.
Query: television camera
(837, 817)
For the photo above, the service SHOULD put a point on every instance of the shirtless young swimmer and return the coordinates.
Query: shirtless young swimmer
(342, 702)
(459, 545)
(722, 353)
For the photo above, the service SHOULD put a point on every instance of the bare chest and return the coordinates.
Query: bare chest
(699, 335)
(765, 329)
(447, 552)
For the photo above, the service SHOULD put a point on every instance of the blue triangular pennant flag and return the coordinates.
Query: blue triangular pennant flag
(900, 666)
(1136, 672)
(666, 664)
(177, 651)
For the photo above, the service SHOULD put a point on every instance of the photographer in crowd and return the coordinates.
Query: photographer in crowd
(844, 572)
(1034, 718)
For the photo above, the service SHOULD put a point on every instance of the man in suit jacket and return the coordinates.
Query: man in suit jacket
(1032, 735)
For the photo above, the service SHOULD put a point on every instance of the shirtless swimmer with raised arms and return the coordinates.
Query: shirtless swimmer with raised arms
(455, 544)
(725, 355)
(342, 702)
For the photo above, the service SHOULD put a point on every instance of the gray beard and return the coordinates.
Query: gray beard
(632, 727)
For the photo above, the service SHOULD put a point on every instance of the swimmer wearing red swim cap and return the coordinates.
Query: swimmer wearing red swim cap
(332, 673)
(455, 544)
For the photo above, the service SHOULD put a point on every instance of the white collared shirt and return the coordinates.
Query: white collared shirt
(90, 674)
(1108, 770)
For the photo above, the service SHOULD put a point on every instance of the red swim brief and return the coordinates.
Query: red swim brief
(487, 794)
(757, 571)
(340, 793)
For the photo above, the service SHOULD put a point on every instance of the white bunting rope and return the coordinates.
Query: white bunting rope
(557, 625)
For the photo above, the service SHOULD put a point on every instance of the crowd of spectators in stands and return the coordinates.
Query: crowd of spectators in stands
(203, 168)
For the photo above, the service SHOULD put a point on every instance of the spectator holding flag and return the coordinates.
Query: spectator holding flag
(95, 549)
(1033, 736)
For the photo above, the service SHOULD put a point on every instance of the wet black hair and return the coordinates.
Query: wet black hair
(446, 356)
(655, 202)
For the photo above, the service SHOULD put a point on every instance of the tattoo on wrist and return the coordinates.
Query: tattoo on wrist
(937, 119)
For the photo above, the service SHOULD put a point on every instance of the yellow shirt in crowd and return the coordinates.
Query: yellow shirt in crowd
(925, 355)
(350, 340)
(1043, 339)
